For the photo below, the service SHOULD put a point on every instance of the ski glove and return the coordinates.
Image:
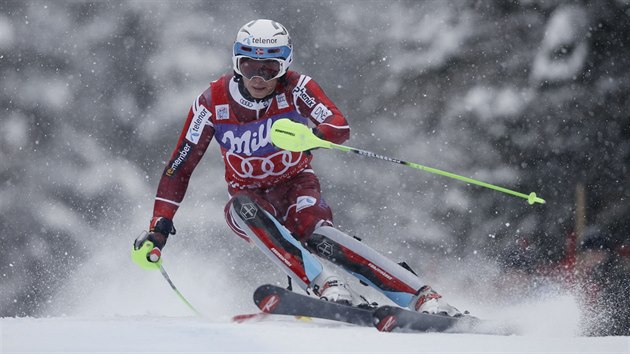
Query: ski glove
(159, 229)
(147, 248)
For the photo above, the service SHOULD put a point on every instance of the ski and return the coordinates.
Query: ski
(280, 301)
(275, 300)
(396, 319)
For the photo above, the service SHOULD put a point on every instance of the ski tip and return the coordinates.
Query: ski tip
(262, 296)
(269, 303)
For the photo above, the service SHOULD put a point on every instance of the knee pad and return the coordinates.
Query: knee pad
(230, 216)
(306, 215)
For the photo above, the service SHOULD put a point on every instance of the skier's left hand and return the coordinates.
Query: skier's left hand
(147, 248)
(144, 253)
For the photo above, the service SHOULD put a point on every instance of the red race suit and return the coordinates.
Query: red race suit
(242, 126)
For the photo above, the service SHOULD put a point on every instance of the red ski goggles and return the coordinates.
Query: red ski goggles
(266, 69)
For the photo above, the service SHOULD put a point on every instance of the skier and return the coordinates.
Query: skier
(276, 200)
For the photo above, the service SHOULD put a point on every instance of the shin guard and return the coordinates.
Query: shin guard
(366, 264)
(275, 241)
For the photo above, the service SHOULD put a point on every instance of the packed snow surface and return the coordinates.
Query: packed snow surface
(285, 335)
(137, 312)
(276, 335)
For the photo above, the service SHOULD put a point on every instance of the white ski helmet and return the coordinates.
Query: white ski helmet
(263, 40)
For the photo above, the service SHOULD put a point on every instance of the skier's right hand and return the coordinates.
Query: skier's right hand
(147, 248)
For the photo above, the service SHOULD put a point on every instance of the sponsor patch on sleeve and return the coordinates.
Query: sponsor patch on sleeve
(197, 124)
(176, 162)
(320, 113)
(301, 93)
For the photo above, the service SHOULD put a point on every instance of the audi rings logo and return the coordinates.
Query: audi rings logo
(261, 167)
(248, 211)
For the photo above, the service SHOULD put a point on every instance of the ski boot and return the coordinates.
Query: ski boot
(429, 301)
(330, 287)
(335, 290)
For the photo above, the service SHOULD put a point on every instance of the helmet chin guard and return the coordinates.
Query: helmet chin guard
(263, 39)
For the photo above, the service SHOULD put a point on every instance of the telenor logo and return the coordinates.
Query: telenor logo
(196, 126)
(252, 40)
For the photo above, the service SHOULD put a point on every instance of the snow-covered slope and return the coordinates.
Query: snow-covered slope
(286, 335)
(112, 306)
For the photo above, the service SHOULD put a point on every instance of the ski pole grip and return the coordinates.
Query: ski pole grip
(142, 250)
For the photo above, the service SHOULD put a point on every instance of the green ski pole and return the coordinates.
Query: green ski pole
(292, 136)
(179, 294)
(139, 252)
